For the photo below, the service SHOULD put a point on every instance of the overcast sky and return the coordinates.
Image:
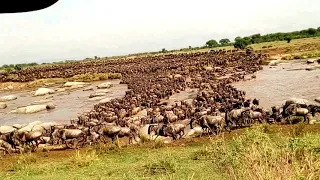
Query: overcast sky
(76, 29)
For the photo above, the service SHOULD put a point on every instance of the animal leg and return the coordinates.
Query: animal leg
(117, 138)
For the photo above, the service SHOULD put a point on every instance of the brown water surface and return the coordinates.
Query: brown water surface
(275, 84)
(68, 105)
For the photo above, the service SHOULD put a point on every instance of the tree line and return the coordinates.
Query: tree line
(243, 42)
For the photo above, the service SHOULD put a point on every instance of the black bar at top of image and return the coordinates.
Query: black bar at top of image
(20, 6)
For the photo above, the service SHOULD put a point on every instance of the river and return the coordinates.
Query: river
(275, 84)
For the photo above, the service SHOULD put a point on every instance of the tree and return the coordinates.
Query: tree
(17, 67)
(318, 29)
(312, 31)
(288, 39)
(212, 43)
(224, 41)
(164, 50)
(190, 47)
(255, 38)
(240, 43)
(237, 38)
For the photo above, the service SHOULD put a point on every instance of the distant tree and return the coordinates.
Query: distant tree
(255, 38)
(163, 50)
(18, 67)
(224, 41)
(318, 29)
(5, 66)
(212, 43)
(237, 38)
(190, 47)
(240, 43)
(95, 57)
(312, 31)
(288, 38)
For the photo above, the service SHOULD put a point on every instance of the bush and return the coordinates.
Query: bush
(165, 166)
(241, 43)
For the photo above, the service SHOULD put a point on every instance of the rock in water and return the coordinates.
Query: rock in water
(8, 98)
(105, 85)
(43, 91)
(103, 91)
(317, 99)
(105, 100)
(97, 95)
(33, 109)
(98, 98)
(274, 62)
(70, 84)
(88, 89)
(310, 61)
(3, 105)
(76, 87)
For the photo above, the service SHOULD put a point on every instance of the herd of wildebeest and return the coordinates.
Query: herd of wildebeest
(217, 107)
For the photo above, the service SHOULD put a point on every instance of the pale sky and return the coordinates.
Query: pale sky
(76, 29)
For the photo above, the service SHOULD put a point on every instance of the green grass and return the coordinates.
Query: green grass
(258, 153)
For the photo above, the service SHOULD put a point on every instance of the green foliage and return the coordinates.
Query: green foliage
(212, 43)
(312, 31)
(241, 43)
(164, 50)
(16, 67)
(288, 38)
(237, 38)
(224, 41)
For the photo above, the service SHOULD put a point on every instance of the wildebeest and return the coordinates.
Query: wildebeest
(211, 123)
(296, 110)
(162, 130)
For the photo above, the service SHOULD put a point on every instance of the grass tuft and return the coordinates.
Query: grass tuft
(166, 165)
(83, 159)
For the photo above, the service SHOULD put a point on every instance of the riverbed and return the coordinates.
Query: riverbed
(275, 84)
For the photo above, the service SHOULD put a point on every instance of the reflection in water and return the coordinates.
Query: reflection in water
(275, 85)
(68, 106)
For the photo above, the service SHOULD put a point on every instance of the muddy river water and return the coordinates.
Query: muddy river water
(68, 104)
(275, 84)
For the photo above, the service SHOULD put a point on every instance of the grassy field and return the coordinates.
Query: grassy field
(305, 47)
(261, 152)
